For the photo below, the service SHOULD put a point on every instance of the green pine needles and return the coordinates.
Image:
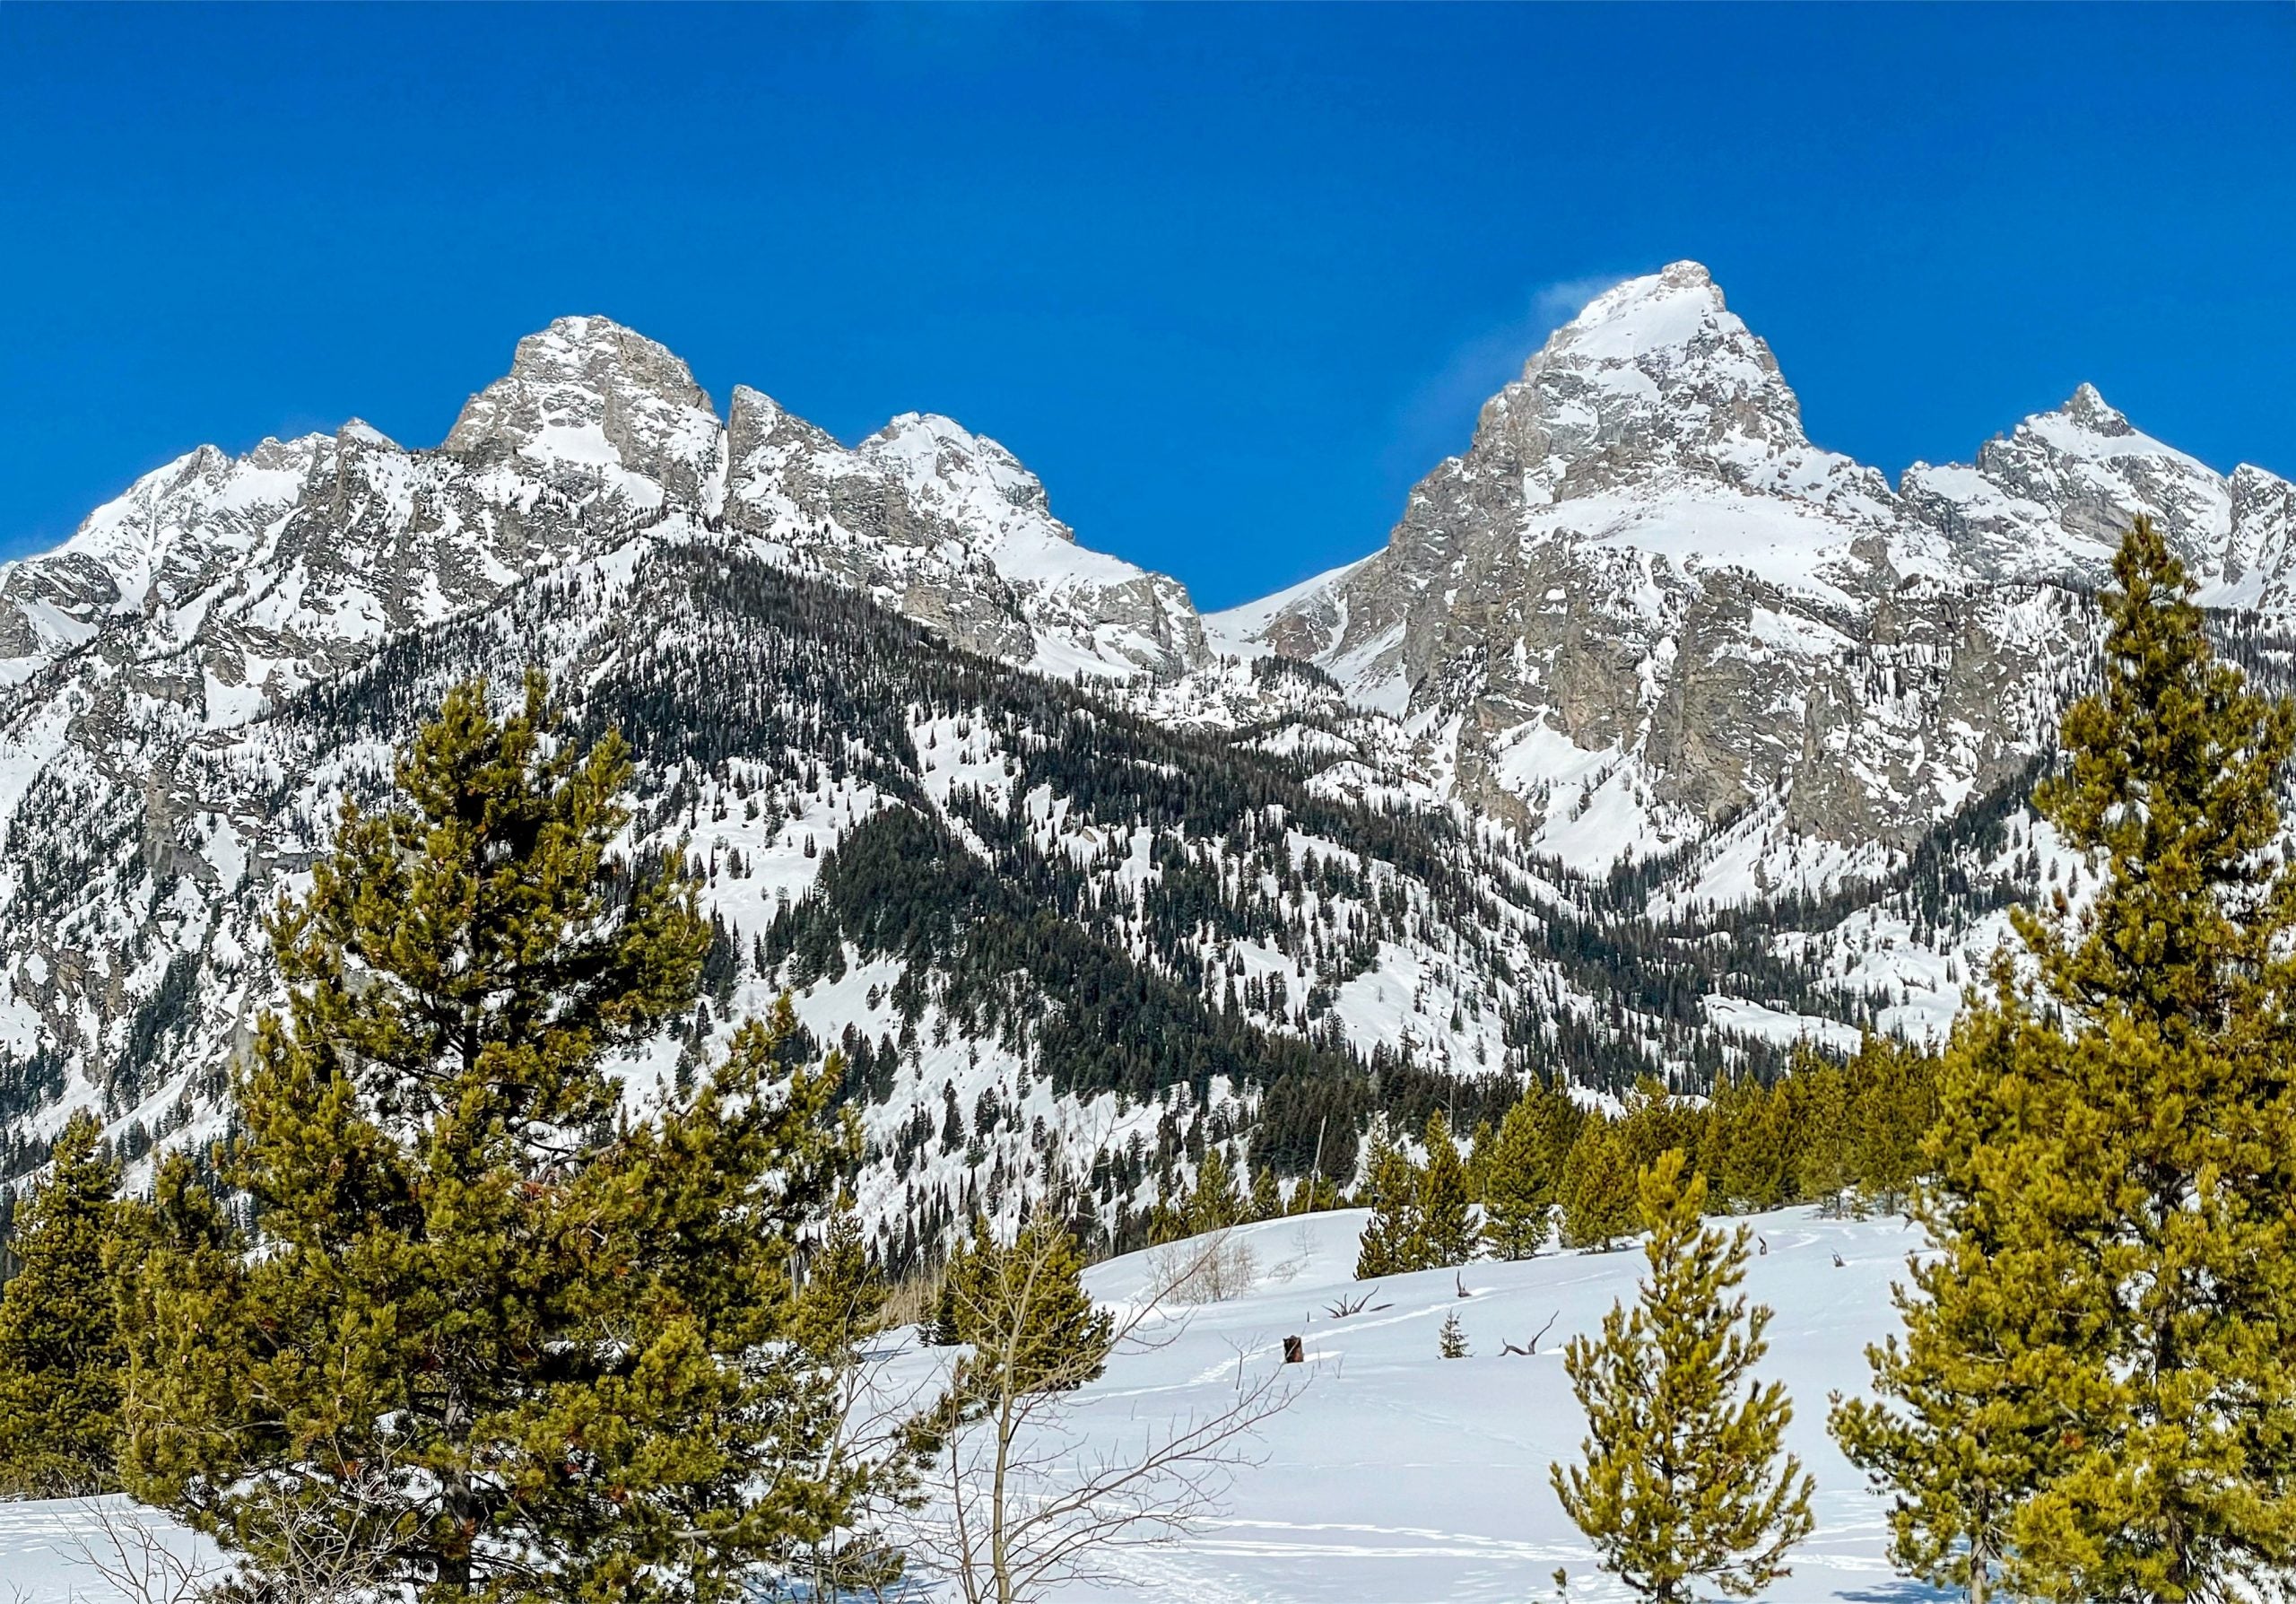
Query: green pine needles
(1023, 1307)
(1421, 1219)
(2095, 1397)
(494, 1337)
(61, 1356)
(1682, 1481)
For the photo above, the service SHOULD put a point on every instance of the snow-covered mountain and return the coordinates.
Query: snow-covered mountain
(290, 563)
(1642, 603)
(1656, 738)
(948, 527)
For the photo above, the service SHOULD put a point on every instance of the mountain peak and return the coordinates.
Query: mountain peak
(979, 483)
(589, 392)
(1677, 306)
(1656, 374)
(575, 360)
(2089, 409)
(359, 432)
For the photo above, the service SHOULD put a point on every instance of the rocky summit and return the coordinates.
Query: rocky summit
(1642, 603)
(1654, 740)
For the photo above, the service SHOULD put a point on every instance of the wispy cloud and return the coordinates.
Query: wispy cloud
(1436, 419)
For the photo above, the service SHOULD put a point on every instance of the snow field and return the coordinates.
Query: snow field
(1398, 1477)
(1394, 1476)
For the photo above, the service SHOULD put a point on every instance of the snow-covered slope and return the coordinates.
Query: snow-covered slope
(1643, 605)
(947, 526)
(290, 563)
(1656, 738)
(1394, 1476)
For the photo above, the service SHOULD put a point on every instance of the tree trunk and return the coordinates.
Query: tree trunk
(461, 1502)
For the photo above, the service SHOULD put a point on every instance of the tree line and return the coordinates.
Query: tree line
(451, 1315)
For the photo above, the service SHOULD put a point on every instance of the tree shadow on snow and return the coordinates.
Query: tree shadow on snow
(1901, 1590)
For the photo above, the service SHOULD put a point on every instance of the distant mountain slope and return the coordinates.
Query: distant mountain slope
(1656, 739)
(290, 563)
(1643, 603)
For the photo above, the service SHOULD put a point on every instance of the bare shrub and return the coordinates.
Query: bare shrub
(1027, 1503)
(1210, 1268)
(145, 1557)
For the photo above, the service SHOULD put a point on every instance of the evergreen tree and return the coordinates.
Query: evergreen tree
(1682, 1481)
(1447, 1233)
(1893, 1103)
(2117, 1197)
(1315, 1194)
(941, 1328)
(843, 1298)
(61, 1356)
(1451, 1341)
(1654, 1122)
(1392, 1238)
(1822, 1166)
(1023, 1308)
(506, 1339)
(959, 1279)
(1481, 1141)
(1521, 1176)
(1168, 1216)
(1970, 1427)
(1267, 1196)
(1598, 1192)
(1752, 1143)
(1213, 1205)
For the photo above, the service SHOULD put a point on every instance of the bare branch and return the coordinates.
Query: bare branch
(1026, 1502)
(142, 1557)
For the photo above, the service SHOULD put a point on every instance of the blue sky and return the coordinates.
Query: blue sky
(1228, 278)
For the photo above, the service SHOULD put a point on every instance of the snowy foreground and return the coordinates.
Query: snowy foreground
(1395, 1478)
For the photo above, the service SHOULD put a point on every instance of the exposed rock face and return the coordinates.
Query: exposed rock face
(2259, 565)
(178, 531)
(1642, 601)
(288, 564)
(142, 663)
(950, 530)
(1640, 614)
(2051, 498)
(589, 395)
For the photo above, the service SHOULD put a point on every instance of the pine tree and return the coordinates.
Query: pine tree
(1314, 1194)
(1451, 1341)
(839, 1306)
(61, 1356)
(1893, 1103)
(1822, 1167)
(1682, 1481)
(1972, 1426)
(1023, 1309)
(2116, 1197)
(1213, 1205)
(1750, 1142)
(1521, 1176)
(1267, 1196)
(1392, 1238)
(1481, 1141)
(967, 1263)
(843, 1298)
(1598, 1193)
(1447, 1233)
(941, 1330)
(1656, 1121)
(511, 1341)
(1168, 1216)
